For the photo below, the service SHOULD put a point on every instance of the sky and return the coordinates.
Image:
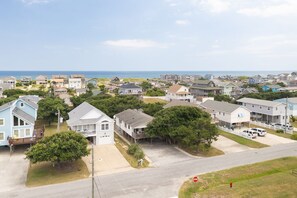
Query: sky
(148, 35)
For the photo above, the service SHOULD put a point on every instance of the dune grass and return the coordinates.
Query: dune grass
(266, 179)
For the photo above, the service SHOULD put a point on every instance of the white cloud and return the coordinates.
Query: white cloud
(133, 43)
(270, 9)
(35, 1)
(182, 22)
(214, 6)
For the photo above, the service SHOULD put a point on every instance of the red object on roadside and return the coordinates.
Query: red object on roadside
(231, 184)
(195, 179)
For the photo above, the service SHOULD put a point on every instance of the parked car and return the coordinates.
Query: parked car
(250, 133)
(261, 132)
(276, 126)
(287, 127)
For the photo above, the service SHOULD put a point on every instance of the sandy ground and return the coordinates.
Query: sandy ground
(107, 160)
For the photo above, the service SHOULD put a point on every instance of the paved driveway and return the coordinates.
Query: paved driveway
(229, 146)
(108, 159)
(162, 154)
(271, 139)
(13, 169)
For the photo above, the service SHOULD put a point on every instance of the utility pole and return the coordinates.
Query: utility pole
(58, 127)
(93, 180)
(286, 115)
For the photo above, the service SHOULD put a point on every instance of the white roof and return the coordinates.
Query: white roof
(266, 103)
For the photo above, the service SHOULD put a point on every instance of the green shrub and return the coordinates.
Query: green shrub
(280, 131)
(133, 148)
(136, 151)
(294, 136)
(139, 154)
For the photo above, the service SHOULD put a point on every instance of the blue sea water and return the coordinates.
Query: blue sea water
(134, 74)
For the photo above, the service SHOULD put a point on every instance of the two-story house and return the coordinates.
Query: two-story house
(227, 114)
(255, 80)
(179, 92)
(17, 121)
(130, 89)
(76, 81)
(9, 80)
(131, 123)
(41, 80)
(204, 88)
(265, 110)
(95, 125)
(26, 79)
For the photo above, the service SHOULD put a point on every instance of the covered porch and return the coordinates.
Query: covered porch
(88, 130)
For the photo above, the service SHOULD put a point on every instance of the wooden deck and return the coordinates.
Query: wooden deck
(37, 135)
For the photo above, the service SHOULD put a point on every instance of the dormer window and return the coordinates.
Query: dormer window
(22, 104)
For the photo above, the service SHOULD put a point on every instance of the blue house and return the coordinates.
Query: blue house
(17, 120)
(255, 80)
(273, 88)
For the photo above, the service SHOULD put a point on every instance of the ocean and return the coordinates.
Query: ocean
(134, 74)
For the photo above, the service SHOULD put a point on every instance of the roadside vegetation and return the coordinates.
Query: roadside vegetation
(242, 140)
(154, 100)
(275, 178)
(130, 156)
(187, 127)
(57, 158)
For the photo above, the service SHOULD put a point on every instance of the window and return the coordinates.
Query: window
(253, 106)
(260, 107)
(16, 133)
(2, 136)
(2, 122)
(22, 104)
(15, 121)
(268, 108)
(223, 114)
(28, 133)
(104, 126)
(22, 122)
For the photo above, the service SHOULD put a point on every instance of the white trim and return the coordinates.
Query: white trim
(3, 136)
(3, 121)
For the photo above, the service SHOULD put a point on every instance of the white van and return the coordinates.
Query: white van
(261, 132)
(250, 133)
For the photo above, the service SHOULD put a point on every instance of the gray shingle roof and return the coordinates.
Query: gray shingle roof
(31, 100)
(266, 103)
(135, 118)
(76, 114)
(292, 100)
(220, 106)
(130, 86)
(21, 114)
(6, 105)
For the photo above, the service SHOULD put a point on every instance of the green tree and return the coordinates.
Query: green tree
(90, 86)
(61, 147)
(48, 107)
(155, 92)
(153, 108)
(186, 126)
(224, 98)
(145, 85)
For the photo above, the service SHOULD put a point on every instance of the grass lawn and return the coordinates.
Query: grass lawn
(266, 179)
(52, 129)
(205, 153)
(45, 174)
(153, 100)
(271, 131)
(122, 146)
(134, 80)
(242, 140)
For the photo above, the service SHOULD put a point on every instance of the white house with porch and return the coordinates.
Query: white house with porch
(92, 123)
(131, 123)
(227, 114)
(265, 110)
(179, 92)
